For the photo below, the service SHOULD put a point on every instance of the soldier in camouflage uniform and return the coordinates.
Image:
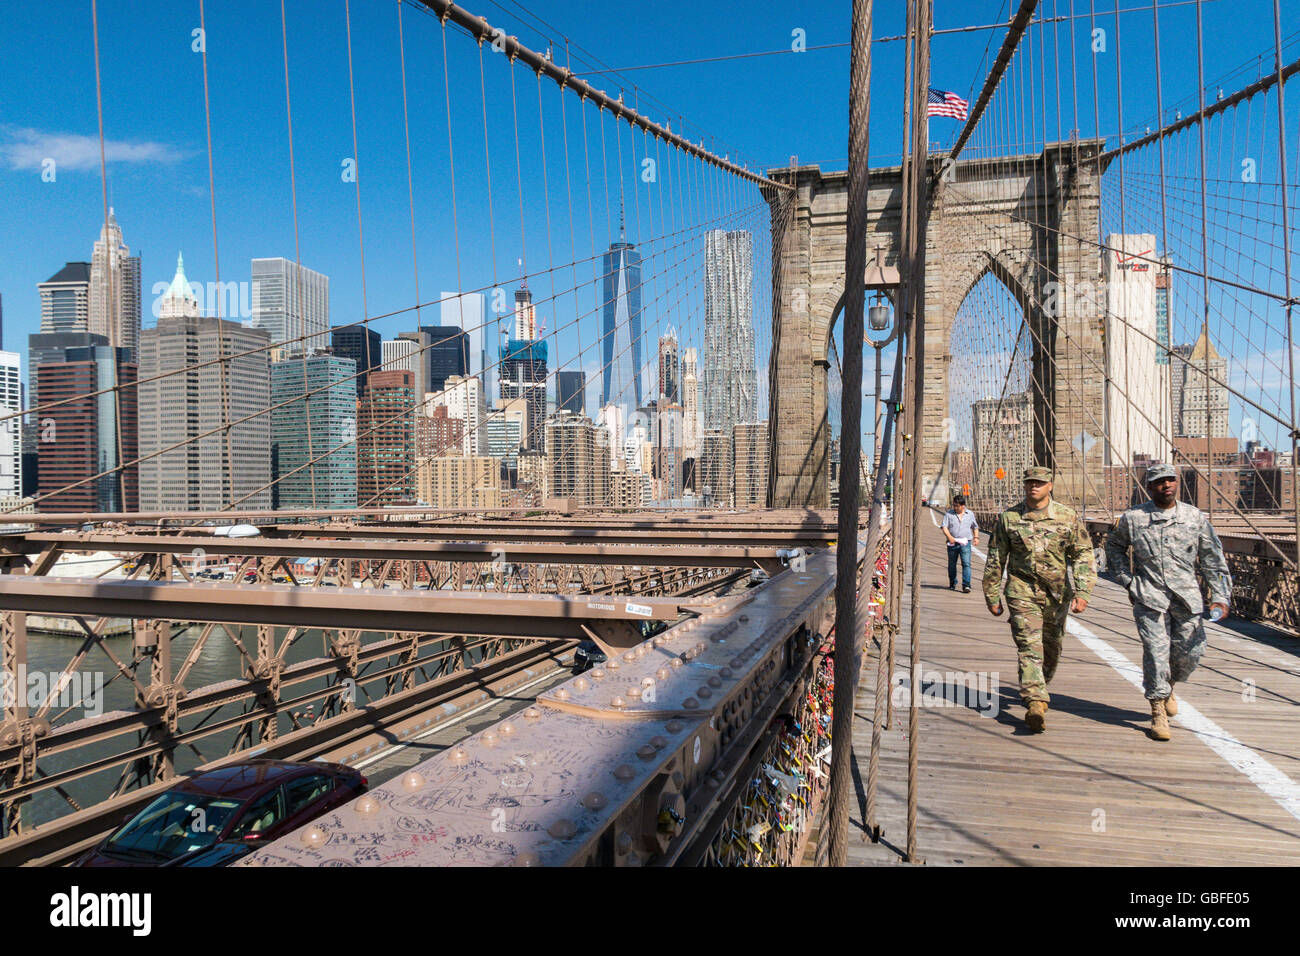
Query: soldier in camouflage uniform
(1036, 543)
(1169, 540)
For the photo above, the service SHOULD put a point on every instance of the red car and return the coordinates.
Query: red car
(219, 815)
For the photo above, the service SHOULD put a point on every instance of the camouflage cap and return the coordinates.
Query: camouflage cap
(1038, 473)
(1156, 472)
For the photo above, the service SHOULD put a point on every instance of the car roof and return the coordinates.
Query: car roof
(244, 778)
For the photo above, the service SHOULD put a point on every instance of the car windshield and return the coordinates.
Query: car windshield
(174, 824)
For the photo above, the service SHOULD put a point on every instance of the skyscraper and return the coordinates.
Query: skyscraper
(730, 377)
(11, 443)
(621, 324)
(403, 354)
(749, 456)
(313, 427)
(114, 294)
(525, 314)
(361, 344)
(291, 301)
(386, 440)
(670, 374)
(448, 354)
(181, 405)
(82, 436)
(691, 425)
(1002, 431)
(65, 299)
(713, 475)
(1192, 393)
(468, 311)
(571, 392)
(579, 461)
(1138, 422)
(463, 398)
(523, 375)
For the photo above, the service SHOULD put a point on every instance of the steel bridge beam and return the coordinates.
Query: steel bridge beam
(403, 549)
(382, 609)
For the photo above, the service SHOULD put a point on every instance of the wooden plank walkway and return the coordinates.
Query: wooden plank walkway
(1093, 789)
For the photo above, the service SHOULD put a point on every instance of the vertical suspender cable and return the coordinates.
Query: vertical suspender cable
(846, 551)
(916, 298)
(1286, 263)
(1205, 263)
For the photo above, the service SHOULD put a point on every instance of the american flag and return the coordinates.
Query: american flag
(943, 103)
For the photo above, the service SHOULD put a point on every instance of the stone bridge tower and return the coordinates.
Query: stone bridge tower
(1013, 217)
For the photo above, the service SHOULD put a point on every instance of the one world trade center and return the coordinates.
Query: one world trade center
(621, 325)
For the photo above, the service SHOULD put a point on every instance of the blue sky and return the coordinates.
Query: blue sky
(761, 109)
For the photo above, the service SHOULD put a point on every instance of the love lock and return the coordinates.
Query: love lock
(664, 816)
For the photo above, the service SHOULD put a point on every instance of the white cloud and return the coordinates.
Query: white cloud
(27, 149)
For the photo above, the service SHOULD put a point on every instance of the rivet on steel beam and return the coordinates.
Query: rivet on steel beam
(490, 738)
(618, 701)
(613, 664)
(725, 673)
(662, 673)
(459, 755)
(676, 662)
(715, 681)
(527, 858)
(506, 729)
(562, 829)
(629, 656)
(634, 693)
(412, 780)
(641, 651)
(673, 726)
(659, 742)
(736, 662)
(597, 674)
(690, 703)
(532, 713)
(366, 805)
(313, 836)
(705, 693)
(581, 684)
(744, 619)
(594, 800)
(646, 752)
(624, 772)
(562, 694)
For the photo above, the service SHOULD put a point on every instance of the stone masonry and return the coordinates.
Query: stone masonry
(1031, 221)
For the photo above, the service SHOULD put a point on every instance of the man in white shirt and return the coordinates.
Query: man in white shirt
(960, 529)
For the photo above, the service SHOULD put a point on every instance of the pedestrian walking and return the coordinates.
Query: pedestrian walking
(1047, 557)
(962, 531)
(1156, 551)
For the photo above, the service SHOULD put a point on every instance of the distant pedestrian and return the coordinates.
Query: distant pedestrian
(962, 531)
(1170, 541)
(1047, 556)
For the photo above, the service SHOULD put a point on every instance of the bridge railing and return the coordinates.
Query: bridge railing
(708, 744)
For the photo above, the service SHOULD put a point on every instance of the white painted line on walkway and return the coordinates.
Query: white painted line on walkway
(1258, 770)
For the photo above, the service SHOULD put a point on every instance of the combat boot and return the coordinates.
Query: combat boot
(1159, 721)
(1171, 705)
(1036, 719)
